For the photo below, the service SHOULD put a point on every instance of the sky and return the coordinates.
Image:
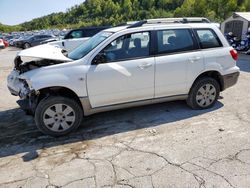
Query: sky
(14, 12)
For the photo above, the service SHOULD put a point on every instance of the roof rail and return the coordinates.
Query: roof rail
(138, 24)
(170, 20)
(126, 23)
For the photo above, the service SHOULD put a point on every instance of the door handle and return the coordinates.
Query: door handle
(193, 59)
(144, 65)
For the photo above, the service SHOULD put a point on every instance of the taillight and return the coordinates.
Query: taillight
(234, 54)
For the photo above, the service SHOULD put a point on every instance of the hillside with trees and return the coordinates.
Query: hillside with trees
(113, 12)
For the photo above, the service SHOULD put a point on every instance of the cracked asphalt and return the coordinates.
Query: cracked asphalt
(159, 146)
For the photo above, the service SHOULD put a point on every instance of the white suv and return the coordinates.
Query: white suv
(144, 63)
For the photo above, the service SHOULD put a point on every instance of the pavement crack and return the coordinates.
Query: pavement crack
(200, 181)
(15, 181)
(152, 183)
(230, 184)
(122, 182)
(77, 181)
(168, 162)
(236, 156)
(114, 172)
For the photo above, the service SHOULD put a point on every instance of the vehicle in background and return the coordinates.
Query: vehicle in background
(236, 43)
(248, 52)
(8, 38)
(51, 40)
(244, 44)
(232, 39)
(31, 41)
(6, 43)
(12, 41)
(2, 46)
(20, 38)
(76, 37)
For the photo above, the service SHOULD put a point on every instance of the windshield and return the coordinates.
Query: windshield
(89, 45)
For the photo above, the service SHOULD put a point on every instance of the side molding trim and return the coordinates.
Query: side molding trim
(88, 110)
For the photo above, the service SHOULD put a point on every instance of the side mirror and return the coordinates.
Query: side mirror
(99, 59)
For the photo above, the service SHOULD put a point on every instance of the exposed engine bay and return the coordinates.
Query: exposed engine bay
(23, 67)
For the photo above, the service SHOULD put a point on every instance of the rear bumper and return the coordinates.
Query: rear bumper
(230, 80)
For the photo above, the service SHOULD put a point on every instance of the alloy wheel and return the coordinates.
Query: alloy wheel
(206, 95)
(59, 117)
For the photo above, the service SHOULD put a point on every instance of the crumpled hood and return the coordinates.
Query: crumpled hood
(45, 51)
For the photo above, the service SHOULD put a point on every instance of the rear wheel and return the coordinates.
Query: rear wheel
(26, 45)
(58, 116)
(204, 93)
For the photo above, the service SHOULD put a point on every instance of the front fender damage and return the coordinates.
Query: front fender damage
(29, 103)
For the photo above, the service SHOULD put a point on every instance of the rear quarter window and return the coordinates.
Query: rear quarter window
(208, 38)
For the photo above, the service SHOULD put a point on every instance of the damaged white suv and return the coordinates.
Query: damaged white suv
(148, 62)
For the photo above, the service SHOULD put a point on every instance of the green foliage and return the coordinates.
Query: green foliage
(113, 12)
(7, 28)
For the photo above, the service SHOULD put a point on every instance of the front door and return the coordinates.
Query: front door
(126, 74)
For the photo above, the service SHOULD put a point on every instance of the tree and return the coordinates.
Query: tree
(113, 12)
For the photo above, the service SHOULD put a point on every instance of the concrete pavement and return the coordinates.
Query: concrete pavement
(164, 145)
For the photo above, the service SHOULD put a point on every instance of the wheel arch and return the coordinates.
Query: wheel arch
(211, 74)
(58, 91)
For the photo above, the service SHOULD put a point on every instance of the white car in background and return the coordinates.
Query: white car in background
(76, 37)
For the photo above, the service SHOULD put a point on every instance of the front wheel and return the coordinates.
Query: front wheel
(58, 116)
(204, 93)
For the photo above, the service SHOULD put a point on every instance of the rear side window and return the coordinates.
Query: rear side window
(37, 37)
(175, 40)
(91, 32)
(208, 39)
(75, 34)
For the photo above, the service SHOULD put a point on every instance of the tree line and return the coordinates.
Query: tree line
(114, 12)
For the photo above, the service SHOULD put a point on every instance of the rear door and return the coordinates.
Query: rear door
(213, 50)
(36, 40)
(177, 53)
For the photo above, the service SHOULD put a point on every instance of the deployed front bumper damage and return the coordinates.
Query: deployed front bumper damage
(14, 83)
(29, 103)
(21, 88)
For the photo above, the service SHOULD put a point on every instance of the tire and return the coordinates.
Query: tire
(52, 113)
(26, 45)
(205, 98)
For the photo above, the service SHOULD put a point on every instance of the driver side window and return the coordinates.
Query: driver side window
(129, 46)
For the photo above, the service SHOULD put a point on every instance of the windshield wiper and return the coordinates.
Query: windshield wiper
(65, 52)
